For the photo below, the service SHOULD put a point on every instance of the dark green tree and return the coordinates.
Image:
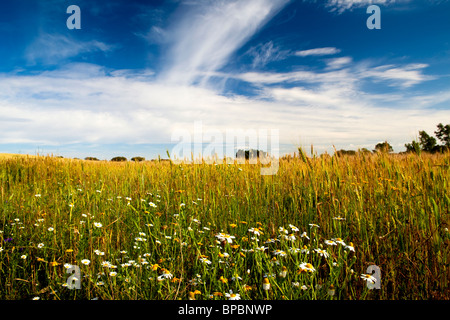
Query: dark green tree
(119, 159)
(427, 142)
(138, 159)
(443, 134)
(414, 146)
(383, 147)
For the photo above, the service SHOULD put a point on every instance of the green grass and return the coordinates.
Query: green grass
(159, 218)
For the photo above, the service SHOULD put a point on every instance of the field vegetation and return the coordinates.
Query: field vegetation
(160, 230)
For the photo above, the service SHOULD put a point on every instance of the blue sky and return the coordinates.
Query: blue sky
(137, 73)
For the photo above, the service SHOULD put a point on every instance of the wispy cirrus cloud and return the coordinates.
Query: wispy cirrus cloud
(404, 76)
(265, 53)
(206, 36)
(340, 6)
(318, 52)
(52, 49)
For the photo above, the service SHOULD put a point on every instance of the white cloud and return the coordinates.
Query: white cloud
(206, 36)
(338, 63)
(52, 49)
(405, 76)
(341, 6)
(58, 108)
(265, 53)
(318, 52)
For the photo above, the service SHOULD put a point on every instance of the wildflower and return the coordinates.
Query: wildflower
(50, 229)
(330, 242)
(256, 231)
(296, 284)
(282, 230)
(225, 237)
(67, 265)
(113, 273)
(24, 256)
(161, 278)
(312, 225)
(350, 247)
(279, 252)
(293, 228)
(306, 267)
(204, 260)
(192, 294)
(368, 278)
(303, 287)
(98, 224)
(37, 195)
(294, 250)
(218, 294)
(223, 280)
(235, 278)
(100, 283)
(339, 240)
(233, 296)
(262, 248)
(69, 250)
(106, 264)
(283, 272)
(99, 253)
(233, 225)
(322, 253)
(54, 264)
(290, 237)
(338, 218)
(224, 255)
(86, 262)
(266, 284)
(152, 204)
(36, 298)
(246, 287)
(40, 245)
(166, 274)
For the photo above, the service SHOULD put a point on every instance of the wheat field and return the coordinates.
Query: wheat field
(165, 231)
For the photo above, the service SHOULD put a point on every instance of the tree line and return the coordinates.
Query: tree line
(425, 143)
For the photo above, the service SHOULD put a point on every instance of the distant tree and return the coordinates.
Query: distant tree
(343, 152)
(250, 154)
(91, 158)
(138, 159)
(383, 147)
(443, 134)
(427, 142)
(119, 159)
(414, 146)
(364, 150)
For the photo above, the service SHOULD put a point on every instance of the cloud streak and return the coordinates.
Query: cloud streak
(206, 36)
(52, 49)
(318, 52)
